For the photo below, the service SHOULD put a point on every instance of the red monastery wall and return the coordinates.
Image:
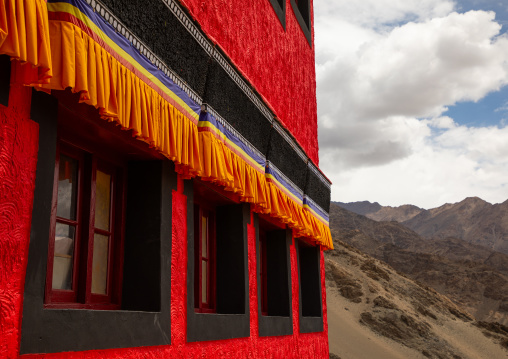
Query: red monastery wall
(280, 64)
(18, 156)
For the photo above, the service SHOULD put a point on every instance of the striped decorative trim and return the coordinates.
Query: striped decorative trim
(189, 25)
(245, 88)
(316, 210)
(211, 121)
(108, 16)
(233, 139)
(213, 52)
(274, 175)
(185, 20)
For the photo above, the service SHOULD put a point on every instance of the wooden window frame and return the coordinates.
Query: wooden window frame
(263, 272)
(81, 296)
(205, 210)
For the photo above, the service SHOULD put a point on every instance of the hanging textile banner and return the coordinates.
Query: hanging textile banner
(24, 36)
(91, 58)
(316, 211)
(81, 15)
(208, 122)
(276, 177)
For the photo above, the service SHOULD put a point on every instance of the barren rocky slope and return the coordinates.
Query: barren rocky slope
(374, 312)
(474, 277)
(472, 220)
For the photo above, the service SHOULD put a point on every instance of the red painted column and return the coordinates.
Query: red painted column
(18, 158)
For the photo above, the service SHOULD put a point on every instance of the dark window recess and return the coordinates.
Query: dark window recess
(5, 78)
(279, 6)
(86, 234)
(311, 314)
(143, 317)
(146, 222)
(301, 8)
(274, 279)
(217, 306)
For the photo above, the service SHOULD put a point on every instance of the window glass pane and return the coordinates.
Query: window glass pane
(67, 187)
(204, 236)
(204, 279)
(100, 264)
(102, 200)
(63, 256)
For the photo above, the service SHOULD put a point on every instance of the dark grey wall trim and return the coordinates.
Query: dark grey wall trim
(279, 6)
(310, 324)
(274, 325)
(287, 160)
(203, 71)
(5, 78)
(200, 326)
(59, 330)
(318, 191)
(232, 104)
(304, 18)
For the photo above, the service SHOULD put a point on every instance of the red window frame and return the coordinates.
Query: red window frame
(263, 272)
(81, 295)
(203, 210)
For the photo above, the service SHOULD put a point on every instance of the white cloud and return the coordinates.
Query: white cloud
(383, 83)
(458, 163)
(376, 13)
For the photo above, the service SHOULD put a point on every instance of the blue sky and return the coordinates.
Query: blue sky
(492, 110)
(413, 99)
(500, 7)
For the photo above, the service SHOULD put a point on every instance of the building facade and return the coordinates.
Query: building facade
(160, 194)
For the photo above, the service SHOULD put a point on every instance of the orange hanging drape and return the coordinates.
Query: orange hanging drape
(24, 36)
(82, 64)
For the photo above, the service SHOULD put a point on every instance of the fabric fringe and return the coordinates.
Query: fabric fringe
(24, 36)
(87, 68)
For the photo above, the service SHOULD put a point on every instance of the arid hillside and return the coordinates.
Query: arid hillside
(375, 312)
(474, 277)
(472, 220)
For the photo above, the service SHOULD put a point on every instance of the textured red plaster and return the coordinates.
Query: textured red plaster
(313, 345)
(279, 64)
(18, 156)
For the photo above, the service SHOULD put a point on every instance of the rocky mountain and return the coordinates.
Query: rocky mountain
(382, 213)
(474, 277)
(375, 312)
(473, 220)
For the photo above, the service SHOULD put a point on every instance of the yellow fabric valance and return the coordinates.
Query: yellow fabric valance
(24, 36)
(103, 81)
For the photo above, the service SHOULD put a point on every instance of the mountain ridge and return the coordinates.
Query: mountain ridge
(472, 219)
(473, 276)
